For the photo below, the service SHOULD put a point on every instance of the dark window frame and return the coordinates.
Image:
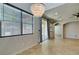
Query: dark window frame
(20, 20)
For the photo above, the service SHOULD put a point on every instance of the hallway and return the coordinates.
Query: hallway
(52, 47)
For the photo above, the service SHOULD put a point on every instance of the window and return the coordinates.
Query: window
(12, 14)
(1, 12)
(14, 21)
(10, 28)
(27, 23)
(11, 22)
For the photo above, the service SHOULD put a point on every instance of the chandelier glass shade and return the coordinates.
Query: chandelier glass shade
(37, 9)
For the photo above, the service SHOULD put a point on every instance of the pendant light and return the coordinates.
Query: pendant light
(38, 9)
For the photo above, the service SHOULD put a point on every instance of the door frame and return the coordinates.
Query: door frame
(48, 29)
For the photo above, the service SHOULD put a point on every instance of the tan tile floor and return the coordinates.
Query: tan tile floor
(54, 47)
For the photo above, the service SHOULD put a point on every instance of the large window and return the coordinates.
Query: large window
(11, 22)
(27, 23)
(10, 28)
(14, 21)
(12, 14)
(1, 12)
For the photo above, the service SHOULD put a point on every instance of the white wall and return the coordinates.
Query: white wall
(71, 30)
(16, 44)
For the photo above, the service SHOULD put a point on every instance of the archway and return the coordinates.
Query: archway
(71, 30)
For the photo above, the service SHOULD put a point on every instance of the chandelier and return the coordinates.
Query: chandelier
(38, 9)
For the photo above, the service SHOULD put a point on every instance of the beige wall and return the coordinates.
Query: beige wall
(66, 22)
(13, 45)
(65, 13)
(71, 30)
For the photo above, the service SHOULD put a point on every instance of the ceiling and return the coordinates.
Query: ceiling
(27, 6)
(63, 12)
(49, 6)
(57, 11)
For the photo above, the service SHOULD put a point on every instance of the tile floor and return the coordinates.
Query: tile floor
(54, 47)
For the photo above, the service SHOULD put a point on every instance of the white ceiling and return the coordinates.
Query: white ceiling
(27, 6)
(57, 11)
(63, 12)
(52, 5)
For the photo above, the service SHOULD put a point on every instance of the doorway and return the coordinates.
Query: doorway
(44, 30)
(57, 31)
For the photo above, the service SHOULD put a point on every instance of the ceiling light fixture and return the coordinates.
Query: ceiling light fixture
(38, 9)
